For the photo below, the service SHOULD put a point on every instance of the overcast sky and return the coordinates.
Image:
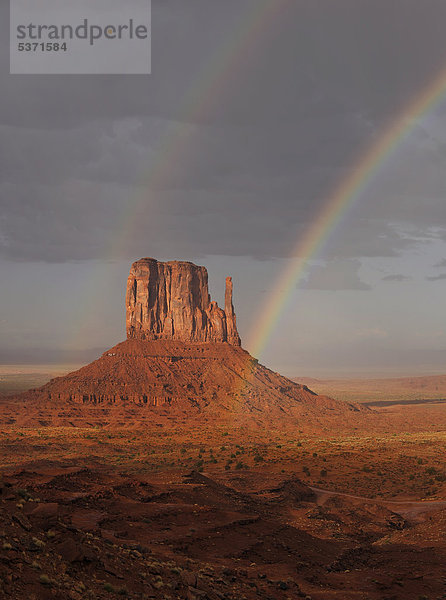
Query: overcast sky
(225, 157)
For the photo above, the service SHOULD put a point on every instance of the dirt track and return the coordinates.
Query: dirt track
(408, 509)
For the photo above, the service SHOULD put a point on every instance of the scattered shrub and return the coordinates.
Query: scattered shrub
(45, 580)
(23, 493)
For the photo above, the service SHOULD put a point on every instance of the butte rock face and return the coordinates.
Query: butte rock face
(170, 301)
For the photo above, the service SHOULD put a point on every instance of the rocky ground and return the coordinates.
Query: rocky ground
(222, 513)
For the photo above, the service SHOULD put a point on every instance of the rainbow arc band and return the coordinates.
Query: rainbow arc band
(343, 197)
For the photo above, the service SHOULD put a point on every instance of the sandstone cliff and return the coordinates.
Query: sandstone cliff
(170, 301)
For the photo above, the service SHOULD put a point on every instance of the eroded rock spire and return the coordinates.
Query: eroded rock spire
(231, 323)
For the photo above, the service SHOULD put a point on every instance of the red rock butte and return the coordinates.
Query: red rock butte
(171, 301)
(182, 361)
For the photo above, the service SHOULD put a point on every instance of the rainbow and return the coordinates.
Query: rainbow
(335, 207)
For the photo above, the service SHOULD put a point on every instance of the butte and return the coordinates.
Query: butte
(182, 363)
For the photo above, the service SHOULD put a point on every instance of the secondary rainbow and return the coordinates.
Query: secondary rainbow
(204, 93)
(343, 197)
(177, 143)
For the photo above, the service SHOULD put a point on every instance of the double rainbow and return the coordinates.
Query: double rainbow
(205, 92)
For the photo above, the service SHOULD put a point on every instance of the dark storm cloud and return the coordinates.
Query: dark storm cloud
(398, 277)
(336, 275)
(79, 155)
(441, 264)
(440, 277)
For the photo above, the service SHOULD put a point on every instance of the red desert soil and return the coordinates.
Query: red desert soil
(162, 514)
(173, 470)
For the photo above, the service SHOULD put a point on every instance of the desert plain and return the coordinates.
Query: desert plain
(173, 512)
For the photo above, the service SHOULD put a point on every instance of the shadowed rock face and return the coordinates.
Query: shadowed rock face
(170, 300)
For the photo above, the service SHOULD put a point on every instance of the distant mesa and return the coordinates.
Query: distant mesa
(171, 301)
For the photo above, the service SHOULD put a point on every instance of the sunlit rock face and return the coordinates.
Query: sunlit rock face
(170, 300)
